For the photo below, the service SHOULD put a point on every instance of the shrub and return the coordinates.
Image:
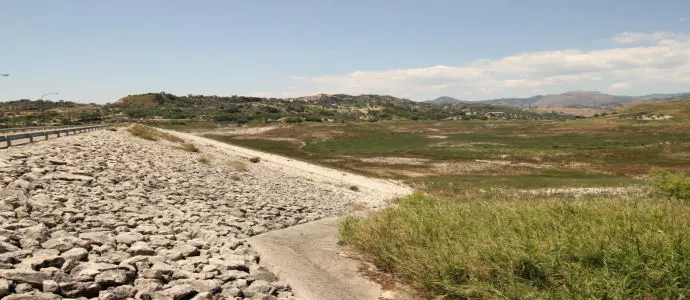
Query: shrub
(204, 160)
(189, 147)
(354, 188)
(671, 184)
(255, 159)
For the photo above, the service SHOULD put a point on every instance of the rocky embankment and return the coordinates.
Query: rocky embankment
(105, 215)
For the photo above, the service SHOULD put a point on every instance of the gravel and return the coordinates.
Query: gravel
(104, 215)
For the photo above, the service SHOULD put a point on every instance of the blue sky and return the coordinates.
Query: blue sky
(99, 51)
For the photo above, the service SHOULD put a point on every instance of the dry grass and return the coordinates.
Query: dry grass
(204, 160)
(189, 147)
(152, 134)
(238, 165)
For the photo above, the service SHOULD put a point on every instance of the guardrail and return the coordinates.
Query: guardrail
(37, 128)
(7, 139)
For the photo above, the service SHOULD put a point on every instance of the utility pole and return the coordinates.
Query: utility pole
(43, 116)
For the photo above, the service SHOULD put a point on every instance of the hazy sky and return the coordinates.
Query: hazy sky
(99, 51)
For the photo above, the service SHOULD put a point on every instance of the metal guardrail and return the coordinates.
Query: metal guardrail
(37, 128)
(7, 139)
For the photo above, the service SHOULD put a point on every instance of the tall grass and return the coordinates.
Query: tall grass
(597, 248)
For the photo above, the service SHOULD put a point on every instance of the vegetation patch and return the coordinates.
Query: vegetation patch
(672, 184)
(255, 159)
(152, 134)
(602, 248)
(204, 160)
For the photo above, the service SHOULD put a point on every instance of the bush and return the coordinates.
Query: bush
(541, 249)
(255, 159)
(671, 184)
(354, 188)
(204, 160)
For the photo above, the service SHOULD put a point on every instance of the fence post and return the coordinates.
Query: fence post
(31, 138)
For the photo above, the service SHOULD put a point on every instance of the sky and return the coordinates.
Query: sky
(100, 51)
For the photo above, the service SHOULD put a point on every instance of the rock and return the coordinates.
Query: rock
(231, 293)
(177, 292)
(24, 276)
(201, 286)
(114, 277)
(76, 254)
(72, 177)
(5, 286)
(33, 296)
(7, 247)
(60, 243)
(140, 248)
(182, 251)
(118, 293)
(129, 237)
(96, 237)
(257, 272)
(43, 260)
(147, 286)
(258, 287)
(50, 286)
(22, 288)
(79, 289)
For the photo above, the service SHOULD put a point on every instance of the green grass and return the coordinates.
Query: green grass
(604, 248)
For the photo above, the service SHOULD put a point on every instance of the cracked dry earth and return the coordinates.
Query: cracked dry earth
(105, 215)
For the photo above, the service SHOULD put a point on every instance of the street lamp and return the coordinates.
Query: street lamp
(43, 116)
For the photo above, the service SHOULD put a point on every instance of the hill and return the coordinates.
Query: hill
(317, 108)
(578, 99)
(445, 100)
(674, 109)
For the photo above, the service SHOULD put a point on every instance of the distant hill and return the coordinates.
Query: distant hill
(445, 100)
(316, 108)
(578, 99)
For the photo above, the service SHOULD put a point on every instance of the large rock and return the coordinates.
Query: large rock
(33, 296)
(114, 277)
(177, 292)
(129, 237)
(25, 276)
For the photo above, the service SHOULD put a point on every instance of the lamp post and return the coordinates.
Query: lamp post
(43, 116)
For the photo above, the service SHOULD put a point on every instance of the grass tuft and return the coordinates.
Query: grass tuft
(538, 249)
(189, 147)
(204, 160)
(354, 188)
(255, 159)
